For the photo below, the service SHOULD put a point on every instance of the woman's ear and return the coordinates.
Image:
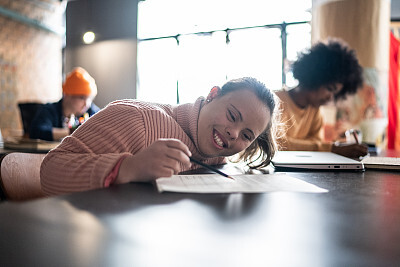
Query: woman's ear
(213, 93)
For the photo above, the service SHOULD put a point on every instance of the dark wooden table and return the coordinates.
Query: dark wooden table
(357, 223)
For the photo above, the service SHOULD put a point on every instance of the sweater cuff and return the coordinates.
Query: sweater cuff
(112, 176)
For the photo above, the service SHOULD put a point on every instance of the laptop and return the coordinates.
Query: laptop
(314, 160)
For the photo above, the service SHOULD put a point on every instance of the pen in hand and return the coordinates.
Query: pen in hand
(355, 136)
(210, 168)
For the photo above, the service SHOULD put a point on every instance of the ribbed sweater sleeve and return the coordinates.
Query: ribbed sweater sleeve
(83, 160)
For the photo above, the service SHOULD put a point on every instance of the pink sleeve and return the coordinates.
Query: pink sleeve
(113, 174)
(88, 156)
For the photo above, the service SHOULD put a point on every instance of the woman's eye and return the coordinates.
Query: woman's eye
(231, 115)
(247, 137)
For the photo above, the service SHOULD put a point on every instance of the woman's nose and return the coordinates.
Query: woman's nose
(232, 133)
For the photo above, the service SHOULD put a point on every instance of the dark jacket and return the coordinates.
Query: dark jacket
(48, 116)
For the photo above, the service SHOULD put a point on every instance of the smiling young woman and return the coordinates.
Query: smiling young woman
(131, 140)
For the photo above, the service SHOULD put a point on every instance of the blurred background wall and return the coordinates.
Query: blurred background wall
(365, 26)
(111, 59)
(31, 40)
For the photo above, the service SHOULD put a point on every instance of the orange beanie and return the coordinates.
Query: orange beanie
(79, 82)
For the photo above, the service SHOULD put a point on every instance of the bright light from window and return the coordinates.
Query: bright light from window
(89, 37)
(164, 18)
(185, 66)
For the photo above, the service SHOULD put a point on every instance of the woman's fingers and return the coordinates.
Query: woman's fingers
(177, 144)
(164, 157)
(178, 156)
(177, 151)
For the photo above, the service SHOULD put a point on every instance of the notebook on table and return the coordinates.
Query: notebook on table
(314, 160)
(383, 163)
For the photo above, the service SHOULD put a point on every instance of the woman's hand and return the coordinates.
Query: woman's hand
(160, 159)
(350, 151)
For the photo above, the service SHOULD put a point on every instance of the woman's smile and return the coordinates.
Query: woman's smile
(219, 140)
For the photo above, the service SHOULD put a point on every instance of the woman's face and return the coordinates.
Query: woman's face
(230, 123)
(324, 94)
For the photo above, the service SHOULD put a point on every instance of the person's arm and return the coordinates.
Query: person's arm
(314, 142)
(85, 159)
(296, 144)
(347, 150)
(169, 153)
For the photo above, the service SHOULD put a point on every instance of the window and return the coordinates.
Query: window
(186, 47)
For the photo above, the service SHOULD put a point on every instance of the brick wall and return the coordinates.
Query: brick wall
(31, 41)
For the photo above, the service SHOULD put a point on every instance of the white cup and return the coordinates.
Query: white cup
(373, 129)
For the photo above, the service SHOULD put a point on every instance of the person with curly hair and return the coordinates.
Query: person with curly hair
(328, 71)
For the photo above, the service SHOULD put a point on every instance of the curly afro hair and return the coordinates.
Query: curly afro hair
(329, 63)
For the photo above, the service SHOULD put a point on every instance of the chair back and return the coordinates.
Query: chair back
(20, 176)
(28, 112)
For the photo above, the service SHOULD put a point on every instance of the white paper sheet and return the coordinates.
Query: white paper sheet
(246, 183)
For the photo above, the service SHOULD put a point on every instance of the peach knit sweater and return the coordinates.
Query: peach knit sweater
(84, 159)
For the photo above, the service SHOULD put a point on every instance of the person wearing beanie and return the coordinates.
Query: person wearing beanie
(54, 121)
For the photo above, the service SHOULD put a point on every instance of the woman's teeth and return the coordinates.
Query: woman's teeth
(218, 140)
